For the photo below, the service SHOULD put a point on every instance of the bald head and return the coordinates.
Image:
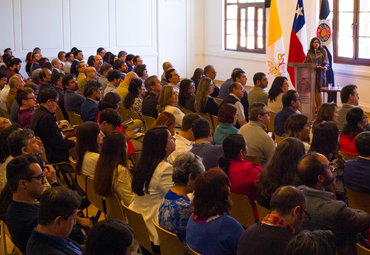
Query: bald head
(129, 77)
(56, 63)
(166, 66)
(98, 61)
(90, 73)
(285, 199)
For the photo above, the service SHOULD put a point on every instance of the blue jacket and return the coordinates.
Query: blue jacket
(89, 110)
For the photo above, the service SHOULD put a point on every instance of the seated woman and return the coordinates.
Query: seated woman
(167, 98)
(356, 121)
(204, 103)
(197, 76)
(281, 169)
(327, 112)
(278, 87)
(166, 119)
(210, 229)
(227, 119)
(111, 173)
(26, 101)
(141, 72)
(187, 94)
(89, 138)
(242, 173)
(175, 210)
(152, 177)
(134, 99)
(297, 126)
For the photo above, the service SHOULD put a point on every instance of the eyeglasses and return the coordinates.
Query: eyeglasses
(56, 101)
(268, 112)
(31, 98)
(306, 217)
(40, 177)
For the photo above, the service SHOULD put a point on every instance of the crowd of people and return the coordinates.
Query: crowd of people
(186, 169)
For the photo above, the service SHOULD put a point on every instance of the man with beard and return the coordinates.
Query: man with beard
(93, 91)
(14, 67)
(72, 100)
(98, 62)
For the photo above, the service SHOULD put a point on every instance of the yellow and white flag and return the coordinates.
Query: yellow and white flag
(275, 55)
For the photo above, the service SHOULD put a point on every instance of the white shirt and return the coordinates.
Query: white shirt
(239, 109)
(182, 145)
(3, 96)
(89, 164)
(179, 115)
(122, 185)
(67, 67)
(277, 105)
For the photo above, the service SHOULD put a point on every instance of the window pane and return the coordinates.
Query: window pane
(243, 1)
(364, 24)
(364, 48)
(346, 5)
(250, 42)
(260, 28)
(242, 41)
(250, 30)
(364, 5)
(260, 42)
(231, 1)
(231, 42)
(231, 27)
(260, 1)
(331, 5)
(231, 12)
(250, 13)
(260, 14)
(345, 24)
(345, 47)
(242, 14)
(242, 28)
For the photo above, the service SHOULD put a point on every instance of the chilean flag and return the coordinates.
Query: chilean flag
(298, 40)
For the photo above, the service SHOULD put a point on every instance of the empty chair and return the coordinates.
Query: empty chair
(358, 200)
(148, 122)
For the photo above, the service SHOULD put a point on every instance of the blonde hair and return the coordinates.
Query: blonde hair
(202, 95)
(164, 98)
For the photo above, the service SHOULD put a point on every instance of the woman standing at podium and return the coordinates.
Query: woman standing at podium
(317, 54)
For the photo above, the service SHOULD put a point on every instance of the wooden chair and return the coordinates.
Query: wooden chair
(215, 122)
(358, 200)
(332, 189)
(136, 221)
(361, 250)
(192, 252)
(262, 211)
(5, 113)
(253, 159)
(148, 122)
(94, 198)
(114, 208)
(5, 232)
(242, 210)
(208, 118)
(122, 111)
(74, 118)
(186, 111)
(270, 126)
(132, 115)
(278, 138)
(347, 156)
(169, 242)
(218, 100)
(59, 114)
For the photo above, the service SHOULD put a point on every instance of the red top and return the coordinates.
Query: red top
(243, 176)
(347, 144)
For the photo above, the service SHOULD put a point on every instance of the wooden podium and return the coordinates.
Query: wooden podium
(305, 79)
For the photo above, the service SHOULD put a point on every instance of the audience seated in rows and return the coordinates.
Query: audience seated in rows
(166, 66)
(326, 112)
(210, 72)
(72, 100)
(15, 106)
(141, 71)
(298, 126)
(114, 79)
(133, 100)
(291, 102)
(227, 118)
(257, 93)
(197, 76)
(26, 101)
(236, 90)
(187, 94)
(93, 92)
(104, 70)
(204, 103)
(168, 97)
(150, 101)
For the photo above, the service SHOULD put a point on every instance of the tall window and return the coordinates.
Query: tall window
(351, 24)
(245, 25)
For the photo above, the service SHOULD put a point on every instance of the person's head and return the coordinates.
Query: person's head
(109, 120)
(327, 112)
(211, 194)
(227, 114)
(93, 89)
(315, 44)
(239, 76)
(43, 61)
(78, 55)
(172, 76)
(81, 67)
(8, 51)
(260, 80)
(122, 56)
(105, 68)
(129, 77)
(210, 72)
(167, 96)
(349, 95)
(198, 74)
(69, 57)
(136, 89)
(114, 77)
(289, 203)
(202, 129)
(58, 211)
(36, 57)
(205, 88)
(3, 78)
(153, 84)
(234, 147)
(62, 56)
(110, 100)
(187, 125)
(37, 49)
(356, 121)
(16, 82)
(325, 139)
(49, 99)
(187, 88)
(166, 119)
(4, 123)
(90, 73)
(362, 144)
(6, 129)
(98, 62)
(56, 79)
(45, 75)
(237, 89)
(315, 171)
(15, 64)
(120, 66)
(70, 83)
(47, 65)
(101, 52)
(298, 126)
(291, 99)
(109, 236)
(90, 60)
(137, 60)
(279, 85)
(57, 64)
(317, 242)
(157, 145)
(7, 60)
(22, 142)
(166, 66)
(25, 98)
(130, 59)
(89, 139)
(141, 71)
(259, 112)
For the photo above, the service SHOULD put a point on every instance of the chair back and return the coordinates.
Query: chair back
(132, 115)
(59, 114)
(148, 122)
(215, 121)
(81, 181)
(5, 113)
(5, 232)
(114, 208)
(242, 210)
(358, 200)
(332, 189)
(347, 156)
(43, 149)
(208, 118)
(270, 126)
(122, 111)
(3, 247)
(361, 250)
(253, 159)
(218, 100)
(192, 252)
(262, 211)
(74, 119)
(136, 221)
(169, 242)
(94, 198)
(186, 111)
(278, 138)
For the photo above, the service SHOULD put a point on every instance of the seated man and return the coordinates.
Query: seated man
(357, 172)
(150, 101)
(210, 72)
(173, 79)
(44, 125)
(122, 67)
(287, 214)
(45, 77)
(26, 101)
(291, 103)
(236, 90)
(15, 83)
(202, 147)
(56, 218)
(258, 94)
(72, 100)
(57, 82)
(90, 74)
(114, 78)
(166, 66)
(105, 68)
(122, 89)
(93, 92)
(316, 174)
(259, 143)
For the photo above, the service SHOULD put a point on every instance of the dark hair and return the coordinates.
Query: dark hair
(6, 50)
(109, 236)
(43, 64)
(207, 69)
(60, 54)
(197, 74)
(285, 199)
(233, 86)
(281, 169)
(294, 126)
(22, 94)
(90, 86)
(168, 74)
(183, 94)
(288, 97)
(188, 120)
(36, 49)
(346, 91)
(42, 73)
(55, 202)
(87, 134)
(135, 58)
(66, 79)
(129, 57)
(100, 49)
(105, 67)
(317, 242)
(110, 100)
(237, 74)
(122, 53)
(150, 81)
(32, 86)
(109, 58)
(48, 94)
(258, 77)
(362, 144)
(226, 113)
(154, 151)
(312, 48)
(29, 57)
(201, 128)
(309, 168)
(231, 145)
(75, 52)
(4, 149)
(325, 139)
(106, 167)
(113, 74)
(255, 110)
(118, 64)
(110, 116)
(68, 55)
(133, 93)
(211, 194)
(90, 60)
(3, 74)
(8, 59)
(139, 70)
(351, 129)
(19, 139)
(14, 61)
(55, 77)
(326, 113)
(275, 89)
(184, 165)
